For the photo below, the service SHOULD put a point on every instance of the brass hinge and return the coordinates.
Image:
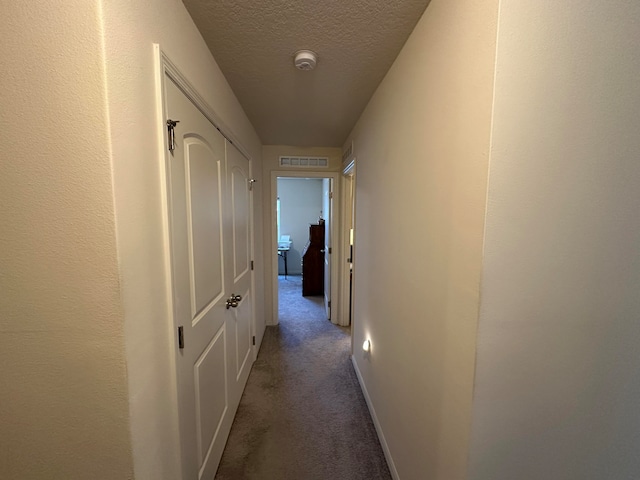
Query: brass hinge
(254, 339)
(329, 250)
(330, 194)
(251, 264)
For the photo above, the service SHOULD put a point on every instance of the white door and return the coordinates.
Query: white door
(200, 189)
(239, 268)
(327, 208)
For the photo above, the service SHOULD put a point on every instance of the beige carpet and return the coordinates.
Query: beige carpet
(303, 415)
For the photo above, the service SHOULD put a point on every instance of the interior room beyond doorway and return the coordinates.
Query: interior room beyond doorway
(299, 204)
(304, 229)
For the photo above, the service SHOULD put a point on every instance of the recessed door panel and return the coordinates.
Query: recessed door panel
(211, 400)
(240, 198)
(204, 185)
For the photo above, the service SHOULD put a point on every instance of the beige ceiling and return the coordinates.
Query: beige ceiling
(254, 41)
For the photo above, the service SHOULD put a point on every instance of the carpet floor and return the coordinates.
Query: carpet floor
(302, 415)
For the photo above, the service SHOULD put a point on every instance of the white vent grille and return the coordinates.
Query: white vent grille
(305, 162)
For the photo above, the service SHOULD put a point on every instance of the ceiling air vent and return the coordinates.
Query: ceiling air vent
(305, 162)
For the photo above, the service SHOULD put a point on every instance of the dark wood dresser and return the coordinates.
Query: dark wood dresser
(313, 262)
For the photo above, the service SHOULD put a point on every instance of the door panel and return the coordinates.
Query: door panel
(209, 374)
(203, 191)
(238, 167)
(239, 192)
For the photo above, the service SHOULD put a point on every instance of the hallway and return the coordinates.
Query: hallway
(495, 244)
(303, 415)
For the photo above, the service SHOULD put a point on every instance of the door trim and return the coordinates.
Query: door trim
(335, 225)
(348, 207)
(170, 69)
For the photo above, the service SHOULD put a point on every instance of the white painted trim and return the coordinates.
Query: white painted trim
(170, 69)
(349, 168)
(374, 417)
(348, 174)
(252, 239)
(275, 320)
(172, 351)
(335, 224)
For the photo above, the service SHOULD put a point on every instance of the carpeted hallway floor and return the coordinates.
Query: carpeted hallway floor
(303, 415)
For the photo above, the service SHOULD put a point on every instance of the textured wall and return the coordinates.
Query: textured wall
(422, 147)
(557, 384)
(63, 388)
(130, 30)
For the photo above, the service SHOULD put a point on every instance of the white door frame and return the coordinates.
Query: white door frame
(334, 225)
(165, 67)
(348, 210)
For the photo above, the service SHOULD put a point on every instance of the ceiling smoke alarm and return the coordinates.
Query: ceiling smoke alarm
(305, 60)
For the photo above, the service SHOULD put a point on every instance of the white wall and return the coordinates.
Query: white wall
(63, 384)
(557, 385)
(422, 147)
(300, 205)
(130, 30)
(83, 258)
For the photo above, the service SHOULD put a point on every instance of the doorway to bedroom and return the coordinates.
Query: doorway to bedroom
(305, 227)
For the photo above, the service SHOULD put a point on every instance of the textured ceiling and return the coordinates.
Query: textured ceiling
(253, 42)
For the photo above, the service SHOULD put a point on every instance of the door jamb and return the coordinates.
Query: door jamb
(348, 171)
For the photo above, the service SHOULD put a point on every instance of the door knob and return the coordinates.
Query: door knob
(233, 300)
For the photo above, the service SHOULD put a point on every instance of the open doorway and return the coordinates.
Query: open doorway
(306, 224)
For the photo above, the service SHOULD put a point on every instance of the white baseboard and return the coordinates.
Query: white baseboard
(383, 441)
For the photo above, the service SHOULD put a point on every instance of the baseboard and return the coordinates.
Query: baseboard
(383, 441)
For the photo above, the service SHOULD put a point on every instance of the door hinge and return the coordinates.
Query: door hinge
(251, 264)
(329, 303)
(171, 125)
(330, 194)
(329, 250)
(254, 339)
(180, 337)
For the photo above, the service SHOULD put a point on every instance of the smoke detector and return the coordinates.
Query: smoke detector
(305, 60)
